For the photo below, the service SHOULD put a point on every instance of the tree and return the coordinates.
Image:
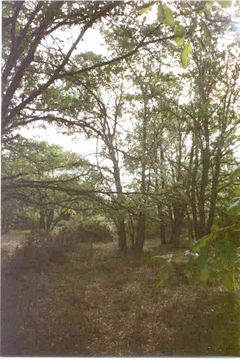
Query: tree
(45, 179)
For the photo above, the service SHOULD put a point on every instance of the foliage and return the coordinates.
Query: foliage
(213, 260)
(38, 251)
(217, 259)
(84, 231)
(41, 183)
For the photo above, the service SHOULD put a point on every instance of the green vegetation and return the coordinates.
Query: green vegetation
(129, 245)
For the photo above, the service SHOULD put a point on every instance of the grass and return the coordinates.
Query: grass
(103, 303)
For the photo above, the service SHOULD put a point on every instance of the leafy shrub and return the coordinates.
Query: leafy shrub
(84, 232)
(215, 258)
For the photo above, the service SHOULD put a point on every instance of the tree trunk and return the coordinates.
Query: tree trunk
(42, 220)
(122, 239)
(214, 191)
(49, 219)
(177, 224)
(138, 245)
(162, 228)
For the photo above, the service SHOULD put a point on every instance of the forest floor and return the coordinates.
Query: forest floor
(102, 303)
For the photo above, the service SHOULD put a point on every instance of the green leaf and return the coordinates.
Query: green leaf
(179, 41)
(145, 9)
(225, 3)
(185, 59)
(204, 273)
(165, 15)
(229, 281)
(180, 30)
(201, 243)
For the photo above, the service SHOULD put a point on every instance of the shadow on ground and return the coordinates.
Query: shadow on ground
(101, 303)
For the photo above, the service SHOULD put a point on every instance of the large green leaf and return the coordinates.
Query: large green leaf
(185, 59)
(165, 15)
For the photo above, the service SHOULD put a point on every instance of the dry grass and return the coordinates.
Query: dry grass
(101, 303)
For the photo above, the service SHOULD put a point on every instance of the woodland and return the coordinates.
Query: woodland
(133, 247)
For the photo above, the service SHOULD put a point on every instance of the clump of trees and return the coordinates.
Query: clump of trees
(162, 107)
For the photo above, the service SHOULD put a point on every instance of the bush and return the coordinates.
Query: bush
(38, 251)
(84, 232)
(41, 248)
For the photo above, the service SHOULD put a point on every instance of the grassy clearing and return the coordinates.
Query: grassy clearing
(103, 303)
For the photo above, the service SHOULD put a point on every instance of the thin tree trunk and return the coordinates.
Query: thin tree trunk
(122, 241)
(214, 190)
(42, 219)
(142, 216)
(122, 237)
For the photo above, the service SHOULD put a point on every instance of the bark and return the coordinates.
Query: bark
(179, 207)
(140, 239)
(202, 230)
(122, 237)
(214, 190)
(42, 220)
(177, 224)
(122, 241)
(162, 225)
(162, 228)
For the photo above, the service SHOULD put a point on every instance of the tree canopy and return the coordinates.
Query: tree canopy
(160, 103)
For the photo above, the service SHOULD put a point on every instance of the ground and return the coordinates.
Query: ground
(102, 303)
